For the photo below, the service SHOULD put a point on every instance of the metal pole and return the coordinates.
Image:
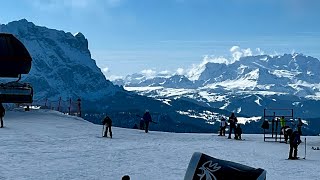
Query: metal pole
(305, 148)
(69, 106)
(59, 104)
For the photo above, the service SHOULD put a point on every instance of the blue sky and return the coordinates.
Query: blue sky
(127, 36)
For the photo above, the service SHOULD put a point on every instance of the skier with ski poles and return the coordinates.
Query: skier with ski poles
(107, 122)
(294, 143)
(232, 120)
(147, 119)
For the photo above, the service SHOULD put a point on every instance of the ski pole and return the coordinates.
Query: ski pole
(102, 129)
(305, 148)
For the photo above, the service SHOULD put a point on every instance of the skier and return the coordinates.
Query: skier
(2, 113)
(287, 133)
(108, 123)
(238, 132)
(299, 125)
(147, 119)
(232, 120)
(282, 124)
(294, 143)
(223, 125)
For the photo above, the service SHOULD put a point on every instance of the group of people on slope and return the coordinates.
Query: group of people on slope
(144, 124)
(233, 124)
(292, 136)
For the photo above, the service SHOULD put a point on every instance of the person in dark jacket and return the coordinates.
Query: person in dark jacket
(238, 132)
(287, 133)
(294, 143)
(2, 113)
(299, 125)
(147, 119)
(108, 123)
(232, 120)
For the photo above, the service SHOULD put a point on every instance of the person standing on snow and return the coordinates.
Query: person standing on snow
(2, 113)
(294, 143)
(147, 119)
(223, 125)
(108, 123)
(287, 131)
(238, 132)
(232, 120)
(282, 124)
(299, 125)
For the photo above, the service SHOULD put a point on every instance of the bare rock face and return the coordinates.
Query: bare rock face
(62, 65)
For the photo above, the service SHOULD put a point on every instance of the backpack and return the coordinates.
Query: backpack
(265, 124)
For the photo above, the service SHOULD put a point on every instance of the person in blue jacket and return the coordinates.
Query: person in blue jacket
(147, 119)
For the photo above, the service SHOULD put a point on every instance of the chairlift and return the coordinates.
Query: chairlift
(14, 61)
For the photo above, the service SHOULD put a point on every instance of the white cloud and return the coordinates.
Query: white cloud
(149, 73)
(180, 71)
(114, 77)
(165, 72)
(105, 70)
(237, 52)
(259, 51)
(234, 48)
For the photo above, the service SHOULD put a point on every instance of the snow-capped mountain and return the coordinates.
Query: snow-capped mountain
(245, 86)
(62, 65)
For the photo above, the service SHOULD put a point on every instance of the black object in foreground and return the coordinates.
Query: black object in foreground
(204, 167)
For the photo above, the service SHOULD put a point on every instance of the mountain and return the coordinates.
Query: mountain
(246, 86)
(62, 65)
(62, 68)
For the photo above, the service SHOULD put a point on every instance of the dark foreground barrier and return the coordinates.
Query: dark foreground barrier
(204, 167)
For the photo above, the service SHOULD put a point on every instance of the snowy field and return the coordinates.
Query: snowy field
(48, 145)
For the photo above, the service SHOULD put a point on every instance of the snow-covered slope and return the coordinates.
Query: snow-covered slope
(62, 65)
(48, 145)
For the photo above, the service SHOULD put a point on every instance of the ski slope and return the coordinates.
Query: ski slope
(43, 144)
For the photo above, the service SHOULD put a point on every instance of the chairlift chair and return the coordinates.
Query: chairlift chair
(14, 61)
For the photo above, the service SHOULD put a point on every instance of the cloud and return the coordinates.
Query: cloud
(180, 71)
(105, 70)
(165, 72)
(237, 52)
(114, 77)
(149, 73)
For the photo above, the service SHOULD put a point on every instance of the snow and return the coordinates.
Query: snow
(142, 88)
(42, 144)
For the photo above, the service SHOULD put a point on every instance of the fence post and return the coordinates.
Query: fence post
(59, 104)
(69, 106)
(79, 107)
